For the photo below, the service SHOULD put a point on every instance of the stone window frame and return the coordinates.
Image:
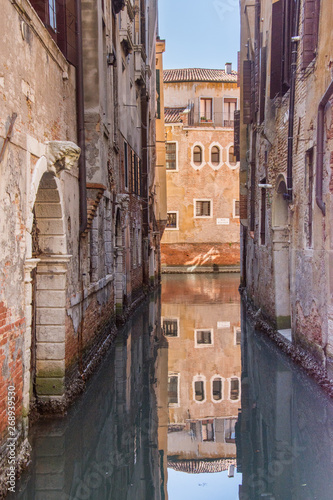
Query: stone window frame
(195, 208)
(237, 331)
(232, 167)
(203, 163)
(200, 345)
(177, 167)
(177, 226)
(215, 167)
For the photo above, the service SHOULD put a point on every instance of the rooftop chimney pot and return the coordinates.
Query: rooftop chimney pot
(228, 68)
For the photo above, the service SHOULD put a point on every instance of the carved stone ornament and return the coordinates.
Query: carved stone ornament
(118, 5)
(61, 155)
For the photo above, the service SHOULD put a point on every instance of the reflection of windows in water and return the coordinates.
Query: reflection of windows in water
(234, 389)
(204, 336)
(217, 389)
(229, 430)
(207, 430)
(173, 389)
(199, 390)
(170, 327)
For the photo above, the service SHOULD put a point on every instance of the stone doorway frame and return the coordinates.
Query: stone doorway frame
(45, 197)
(281, 254)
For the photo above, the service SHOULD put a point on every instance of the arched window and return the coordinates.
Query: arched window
(217, 389)
(197, 156)
(215, 155)
(232, 157)
(199, 390)
(234, 389)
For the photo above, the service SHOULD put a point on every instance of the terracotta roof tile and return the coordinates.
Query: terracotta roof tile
(172, 115)
(198, 75)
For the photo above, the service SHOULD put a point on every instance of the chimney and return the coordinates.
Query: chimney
(228, 68)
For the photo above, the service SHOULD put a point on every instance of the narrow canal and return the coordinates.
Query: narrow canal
(188, 405)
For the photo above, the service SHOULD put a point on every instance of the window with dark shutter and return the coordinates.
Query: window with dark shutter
(263, 69)
(310, 31)
(237, 136)
(247, 66)
(276, 48)
(199, 390)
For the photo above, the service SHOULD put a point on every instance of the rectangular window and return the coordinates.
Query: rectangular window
(206, 109)
(172, 220)
(170, 327)
(229, 108)
(171, 156)
(203, 208)
(236, 208)
(203, 337)
(173, 389)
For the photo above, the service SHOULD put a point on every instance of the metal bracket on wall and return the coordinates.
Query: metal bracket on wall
(8, 136)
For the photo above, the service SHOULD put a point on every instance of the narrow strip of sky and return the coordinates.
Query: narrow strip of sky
(199, 33)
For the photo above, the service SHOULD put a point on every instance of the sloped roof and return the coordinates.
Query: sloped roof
(199, 466)
(198, 75)
(172, 115)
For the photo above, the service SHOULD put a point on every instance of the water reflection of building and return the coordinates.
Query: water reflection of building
(201, 321)
(284, 443)
(111, 446)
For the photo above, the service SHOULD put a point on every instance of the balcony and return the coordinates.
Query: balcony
(212, 112)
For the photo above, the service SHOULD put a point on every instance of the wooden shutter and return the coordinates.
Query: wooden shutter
(71, 50)
(40, 7)
(247, 66)
(310, 31)
(276, 49)
(237, 135)
(262, 97)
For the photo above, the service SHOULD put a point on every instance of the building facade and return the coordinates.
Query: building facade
(202, 328)
(77, 213)
(202, 172)
(285, 167)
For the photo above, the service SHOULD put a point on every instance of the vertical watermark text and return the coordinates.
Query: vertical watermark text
(11, 440)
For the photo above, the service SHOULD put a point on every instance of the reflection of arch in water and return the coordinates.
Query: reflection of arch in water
(281, 254)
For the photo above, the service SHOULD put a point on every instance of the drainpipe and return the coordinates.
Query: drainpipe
(294, 40)
(80, 120)
(320, 147)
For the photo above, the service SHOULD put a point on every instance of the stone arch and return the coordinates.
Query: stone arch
(45, 278)
(281, 258)
(280, 204)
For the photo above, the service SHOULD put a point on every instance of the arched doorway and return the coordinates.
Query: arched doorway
(45, 278)
(281, 259)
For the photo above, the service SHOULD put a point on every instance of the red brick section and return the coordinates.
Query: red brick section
(96, 317)
(202, 254)
(11, 364)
